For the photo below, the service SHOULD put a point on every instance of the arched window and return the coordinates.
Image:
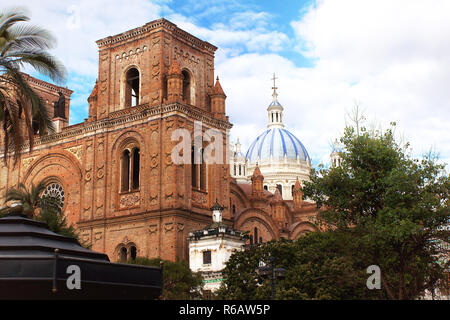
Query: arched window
(198, 169)
(132, 88)
(265, 188)
(292, 189)
(194, 167)
(239, 169)
(234, 210)
(251, 240)
(186, 86)
(234, 169)
(35, 126)
(125, 170)
(130, 163)
(136, 168)
(202, 171)
(123, 253)
(133, 253)
(280, 188)
(256, 234)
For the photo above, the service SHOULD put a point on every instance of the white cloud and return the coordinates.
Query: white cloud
(392, 56)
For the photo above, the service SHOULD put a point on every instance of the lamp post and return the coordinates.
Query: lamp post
(274, 273)
(217, 210)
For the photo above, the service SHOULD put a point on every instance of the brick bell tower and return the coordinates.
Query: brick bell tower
(153, 80)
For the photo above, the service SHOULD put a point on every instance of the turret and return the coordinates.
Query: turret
(174, 83)
(93, 103)
(335, 156)
(218, 100)
(257, 182)
(297, 194)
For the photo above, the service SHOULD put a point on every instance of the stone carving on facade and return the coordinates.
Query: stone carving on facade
(88, 174)
(129, 200)
(77, 151)
(168, 226)
(100, 172)
(152, 228)
(132, 54)
(98, 235)
(27, 162)
(180, 227)
(155, 42)
(169, 196)
(198, 198)
(168, 161)
(154, 161)
(153, 199)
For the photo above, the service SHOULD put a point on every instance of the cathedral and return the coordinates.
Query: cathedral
(114, 173)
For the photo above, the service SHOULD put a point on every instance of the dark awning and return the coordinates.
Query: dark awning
(34, 264)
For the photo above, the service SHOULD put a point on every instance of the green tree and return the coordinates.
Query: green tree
(319, 265)
(179, 282)
(395, 208)
(23, 45)
(45, 209)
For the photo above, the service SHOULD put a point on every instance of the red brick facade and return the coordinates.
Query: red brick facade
(152, 80)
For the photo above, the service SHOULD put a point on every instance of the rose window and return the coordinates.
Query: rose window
(55, 190)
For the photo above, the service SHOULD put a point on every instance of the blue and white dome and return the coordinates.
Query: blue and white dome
(276, 144)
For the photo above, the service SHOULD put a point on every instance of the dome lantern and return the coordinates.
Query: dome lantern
(275, 109)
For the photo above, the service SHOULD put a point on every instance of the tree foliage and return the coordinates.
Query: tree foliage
(380, 207)
(395, 206)
(179, 282)
(22, 44)
(318, 265)
(46, 209)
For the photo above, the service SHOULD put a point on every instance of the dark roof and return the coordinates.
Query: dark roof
(34, 264)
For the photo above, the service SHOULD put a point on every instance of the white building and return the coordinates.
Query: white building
(210, 249)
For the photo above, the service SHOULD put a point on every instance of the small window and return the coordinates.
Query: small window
(125, 170)
(265, 187)
(130, 164)
(132, 88)
(133, 253)
(280, 188)
(136, 168)
(207, 257)
(123, 254)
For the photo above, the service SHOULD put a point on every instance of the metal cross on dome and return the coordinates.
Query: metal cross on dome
(274, 85)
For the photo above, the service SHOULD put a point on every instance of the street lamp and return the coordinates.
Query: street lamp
(278, 273)
(217, 210)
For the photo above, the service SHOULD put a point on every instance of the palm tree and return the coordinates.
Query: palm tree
(23, 45)
(29, 200)
(46, 209)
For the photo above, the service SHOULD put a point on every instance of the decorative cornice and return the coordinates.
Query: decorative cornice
(46, 85)
(159, 23)
(128, 115)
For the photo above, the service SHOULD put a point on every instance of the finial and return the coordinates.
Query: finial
(274, 94)
(274, 85)
(217, 79)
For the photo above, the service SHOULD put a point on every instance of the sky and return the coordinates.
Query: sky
(392, 58)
